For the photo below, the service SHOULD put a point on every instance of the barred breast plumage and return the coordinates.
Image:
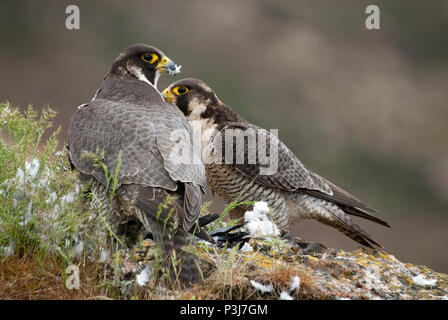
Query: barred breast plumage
(229, 184)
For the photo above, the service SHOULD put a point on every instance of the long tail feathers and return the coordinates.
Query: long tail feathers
(359, 212)
(349, 203)
(336, 216)
(355, 232)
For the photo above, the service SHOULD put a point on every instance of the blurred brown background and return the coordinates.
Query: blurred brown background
(366, 109)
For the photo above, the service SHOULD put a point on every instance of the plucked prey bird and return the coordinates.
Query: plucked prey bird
(128, 123)
(292, 191)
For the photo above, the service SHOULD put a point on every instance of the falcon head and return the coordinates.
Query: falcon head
(144, 62)
(193, 97)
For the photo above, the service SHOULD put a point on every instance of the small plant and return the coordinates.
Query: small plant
(37, 202)
(43, 217)
(232, 205)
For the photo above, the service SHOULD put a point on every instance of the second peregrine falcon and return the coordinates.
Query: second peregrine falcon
(130, 125)
(293, 191)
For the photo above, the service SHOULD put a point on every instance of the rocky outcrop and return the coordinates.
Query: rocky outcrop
(295, 269)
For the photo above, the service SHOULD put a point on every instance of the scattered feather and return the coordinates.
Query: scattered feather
(295, 283)
(261, 207)
(285, 296)
(262, 229)
(246, 247)
(420, 280)
(143, 277)
(261, 287)
(257, 222)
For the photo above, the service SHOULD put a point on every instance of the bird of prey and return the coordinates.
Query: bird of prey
(292, 191)
(128, 124)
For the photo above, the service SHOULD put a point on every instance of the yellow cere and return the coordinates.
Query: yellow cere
(167, 95)
(163, 62)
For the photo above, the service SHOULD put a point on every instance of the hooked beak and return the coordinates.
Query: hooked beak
(166, 64)
(168, 95)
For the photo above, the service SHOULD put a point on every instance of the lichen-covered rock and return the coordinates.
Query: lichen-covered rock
(362, 274)
(295, 269)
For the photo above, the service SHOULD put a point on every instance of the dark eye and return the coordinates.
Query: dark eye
(180, 90)
(150, 57)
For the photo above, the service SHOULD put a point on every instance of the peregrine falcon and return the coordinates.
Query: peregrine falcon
(292, 191)
(129, 124)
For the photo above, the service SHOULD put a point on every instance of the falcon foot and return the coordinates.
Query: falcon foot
(222, 237)
(225, 236)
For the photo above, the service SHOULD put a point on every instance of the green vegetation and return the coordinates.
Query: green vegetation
(44, 216)
(38, 194)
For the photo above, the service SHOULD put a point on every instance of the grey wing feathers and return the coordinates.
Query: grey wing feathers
(175, 143)
(176, 134)
(115, 127)
(192, 204)
(143, 136)
(136, 132)
(291, 174)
